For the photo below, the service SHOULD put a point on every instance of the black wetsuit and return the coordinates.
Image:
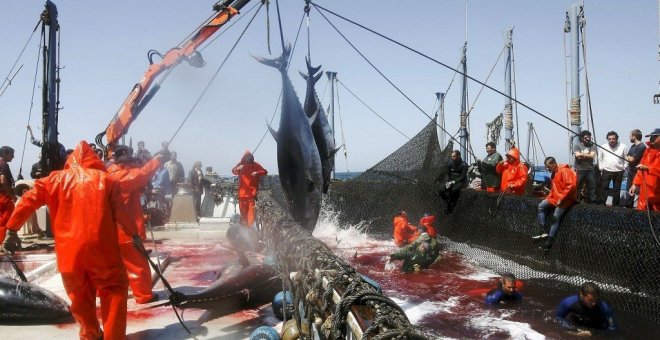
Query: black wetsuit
(572, 313)
(456, 173)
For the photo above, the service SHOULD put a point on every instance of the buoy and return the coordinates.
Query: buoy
(278, 301)
(372, 283)
(264, 333)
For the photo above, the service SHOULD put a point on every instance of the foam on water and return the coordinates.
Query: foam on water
(493, 325)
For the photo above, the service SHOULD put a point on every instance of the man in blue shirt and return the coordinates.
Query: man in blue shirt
(585, 309)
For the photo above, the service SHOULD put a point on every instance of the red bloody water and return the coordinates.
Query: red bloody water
(447, 300)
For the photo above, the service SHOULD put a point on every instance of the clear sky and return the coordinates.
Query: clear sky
(104, 46)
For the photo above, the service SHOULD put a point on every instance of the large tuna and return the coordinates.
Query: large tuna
(298, 158)
(323, 134)
(22, 301)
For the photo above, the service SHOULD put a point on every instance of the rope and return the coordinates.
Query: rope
(383, 75)
(279, 20)
(34, 86)
(485, 81)
(341, 125)
(372, 110)
(208, 85)
(279, 98)
(8, 80)
(238, 19)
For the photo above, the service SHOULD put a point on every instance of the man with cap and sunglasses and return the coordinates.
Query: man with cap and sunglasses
(648, 171)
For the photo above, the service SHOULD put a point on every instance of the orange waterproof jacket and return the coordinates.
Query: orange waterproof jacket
(83, 203)
(514, 174)
(564, 186)
(248, 184)
(404, 232)
(132, 181)
(429, 223)
(647, 181)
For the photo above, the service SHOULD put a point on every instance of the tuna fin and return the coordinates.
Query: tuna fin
(272, 131)
(313, 117)
(303, 75)
(311, 71)
(279, 63)
(333, 152)
(19, 272)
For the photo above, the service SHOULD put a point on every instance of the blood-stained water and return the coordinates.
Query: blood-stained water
(446, 300)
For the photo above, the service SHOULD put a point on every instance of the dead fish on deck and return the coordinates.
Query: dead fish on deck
(254, 283)
(323, 135)
(23, 301)
(298, 159)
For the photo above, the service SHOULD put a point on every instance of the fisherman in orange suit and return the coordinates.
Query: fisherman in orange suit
(404, 232)
(514, 173)
(562, 195)
(85, 205)
(648, 172)
(428, 221)
(249, 172)
(133, 177)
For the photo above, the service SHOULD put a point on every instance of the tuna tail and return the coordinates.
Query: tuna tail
(280, 63)
(313, 117)
(313, 70)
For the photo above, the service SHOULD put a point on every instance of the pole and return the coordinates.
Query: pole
(508, 105)
(574, 15)
(332, 77)
(530, 130)
(440, 119)
(49, 157)
(463, 133)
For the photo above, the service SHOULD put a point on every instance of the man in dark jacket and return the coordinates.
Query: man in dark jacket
(454, 180)
(489, 175)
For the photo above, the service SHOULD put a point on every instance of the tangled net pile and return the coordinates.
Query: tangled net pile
(312, 261)
(613, 247)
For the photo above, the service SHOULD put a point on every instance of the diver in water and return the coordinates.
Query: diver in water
(506, 292)
(418, 255)
(585, 309)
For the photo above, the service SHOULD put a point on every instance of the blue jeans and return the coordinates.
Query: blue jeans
(544, 208)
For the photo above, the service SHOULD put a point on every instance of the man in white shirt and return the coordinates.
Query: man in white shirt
(611, 162)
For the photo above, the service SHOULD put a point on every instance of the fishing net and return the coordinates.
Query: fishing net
(324, 287)
(613, 247)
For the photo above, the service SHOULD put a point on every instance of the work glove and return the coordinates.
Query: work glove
(449, 184)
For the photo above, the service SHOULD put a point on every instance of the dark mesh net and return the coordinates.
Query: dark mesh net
(613, 247)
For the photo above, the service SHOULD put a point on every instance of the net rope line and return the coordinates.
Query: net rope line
(34, 86)
(7, 81)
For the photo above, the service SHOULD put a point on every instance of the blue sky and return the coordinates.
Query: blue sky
(104, 46)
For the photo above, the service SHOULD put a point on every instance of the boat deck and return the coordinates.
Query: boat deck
(191, 257)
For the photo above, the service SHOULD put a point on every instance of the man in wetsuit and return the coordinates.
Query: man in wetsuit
(505, 293)
(455, 180)
(585, 309)
(418, 255)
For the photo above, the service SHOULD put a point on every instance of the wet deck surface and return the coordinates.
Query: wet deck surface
(195, 258)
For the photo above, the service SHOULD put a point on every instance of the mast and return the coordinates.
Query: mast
(332, 77)
(50, 157)
(440, 119)
(508, 104)
(574, 17)
(463, 132)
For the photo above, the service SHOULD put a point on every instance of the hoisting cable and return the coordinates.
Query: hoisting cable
(372, 110)
(8, 80)
(279, 22)
(267, 24)
(309, 45)
(486, 81)
(386, 78)
(279, 98)
(341, 125)
(208, 85)
(34, 86)
(540, 145)
(319, 7)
